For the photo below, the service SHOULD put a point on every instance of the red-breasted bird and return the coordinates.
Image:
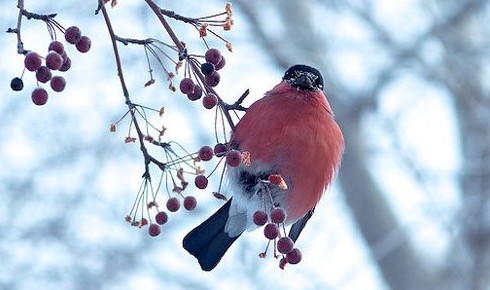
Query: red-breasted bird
(291, 132)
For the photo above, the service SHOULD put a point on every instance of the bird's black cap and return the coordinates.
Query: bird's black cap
(304, 77)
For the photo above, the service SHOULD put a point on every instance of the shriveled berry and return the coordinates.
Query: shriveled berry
(161, 218)
(207, 68)
(212, 79)
(282, 263)
(186, 85)
(73, 34)
(294, 257)
(57, 46)
(43, 74)
(32, 61)
(58, 83)
(209, 101)
(66, 64)
(39, 96)
(285, 245)
(190, 203)
(220, 64)
(143, 222)
(234, 158)
(173, 204)
(271, 231)
(205, 153)
(278, 215)
(220, 149)
(196, 94)
(154, 230)
(201, 181)
(213, 56)
(16, 84)
(260, 218)
(83, 45)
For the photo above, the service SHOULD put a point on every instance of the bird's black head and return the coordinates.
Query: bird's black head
(304, 77)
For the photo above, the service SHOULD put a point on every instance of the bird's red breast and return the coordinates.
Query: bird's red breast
(294, 132)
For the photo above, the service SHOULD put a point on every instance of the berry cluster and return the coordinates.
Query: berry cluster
(56, 59)
(209, 69)
(272, 231)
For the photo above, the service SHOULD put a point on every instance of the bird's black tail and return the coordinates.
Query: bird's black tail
(208, 242)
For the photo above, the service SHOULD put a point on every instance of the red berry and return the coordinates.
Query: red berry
(271, 231)
(83, 45)
(282, 263)
(205, 153)
(54, 60)
(173, 204)
(285, 245)
(294, 256)
(190, 203)
(260, 218)
(220, 149)
(221, 64)
(56, 46)
(186, 86)
(58, 83)
(161, 218)
(43, 74)
(201, 181)
(212, 79)
(66, 64)
(17, 84)
(32, 61)
(234, 158)
(278, 215)
(209, 101)
(154, 230)
(207, 68)
(39, 96)
(73, 34)
(213, 56)
(196, 94)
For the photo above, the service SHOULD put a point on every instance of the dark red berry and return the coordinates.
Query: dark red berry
(154, 230)
(213, 56)
(66, 64)
(54, 60)
(271, 231)
(32, 61)
(190, 203)
(196, 94)
(220, 149)
(73, 34)
(161, 217)
(56, 46)
(260, 218)
(83, 45)
(205, 153)
(294, 257)
(278, 215)
(221, 64)
(43, 74)
(207, 68)
(282, 263)
(173, 204)
(285, 245)
(212, 79)
(209, 101)
(39, 96)
(186, 85)
(201, 181)
(233, 158)
(58, 83)
(16, 84)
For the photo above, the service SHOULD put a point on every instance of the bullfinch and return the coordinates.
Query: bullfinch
(290, 132)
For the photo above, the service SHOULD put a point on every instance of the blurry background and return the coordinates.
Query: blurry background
(408, 80)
